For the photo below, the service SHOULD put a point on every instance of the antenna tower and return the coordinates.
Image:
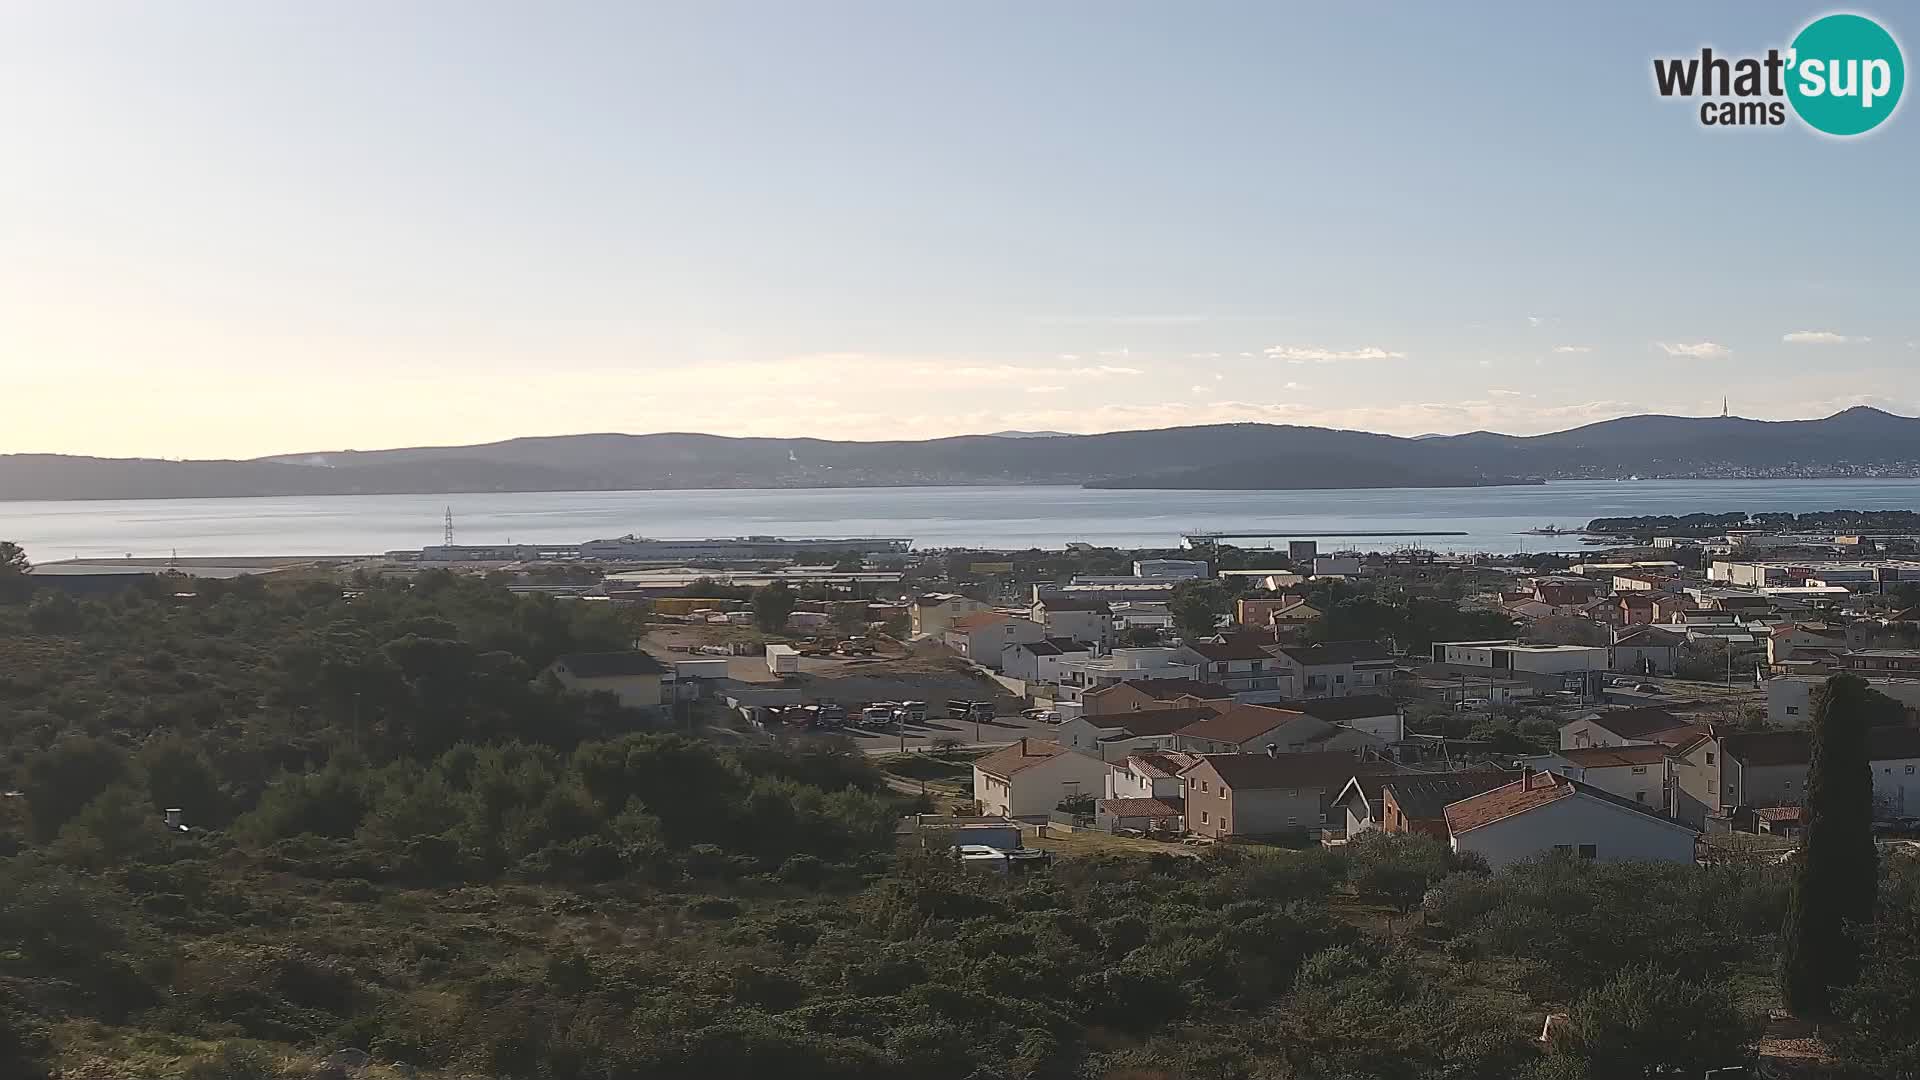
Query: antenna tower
(446, 536)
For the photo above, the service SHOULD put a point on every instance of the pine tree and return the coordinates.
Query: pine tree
(1836, 877)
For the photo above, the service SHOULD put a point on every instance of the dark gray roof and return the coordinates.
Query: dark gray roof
(606, 665)
(1424, 798)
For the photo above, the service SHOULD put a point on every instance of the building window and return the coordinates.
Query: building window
(1639, 770)
(1339, 678)
(1589, 851)
(1203, 817)
(1709, 757)
(1293, 823)
(1793, 710)
(1640, 796)
(1223, 793)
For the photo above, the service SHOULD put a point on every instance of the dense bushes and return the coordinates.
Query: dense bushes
(1579, 922)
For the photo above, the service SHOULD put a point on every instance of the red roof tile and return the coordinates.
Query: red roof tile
(1024, 754)
(1607, 757)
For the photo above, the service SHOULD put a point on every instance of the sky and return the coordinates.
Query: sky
(231, 228)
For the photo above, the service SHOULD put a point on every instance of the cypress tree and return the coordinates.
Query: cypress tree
(1837, 874)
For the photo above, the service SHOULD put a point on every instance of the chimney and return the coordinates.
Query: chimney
(1273, 750)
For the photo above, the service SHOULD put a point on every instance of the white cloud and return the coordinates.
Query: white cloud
(1508, 393)
(1045, 388)
(1200, 389)
(1314, 354)
(1536, 320)
(1821, 337)
(1294, 386)
(1572, 348)
(1699, 350)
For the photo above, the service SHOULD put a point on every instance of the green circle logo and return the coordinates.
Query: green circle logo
(1845, 74)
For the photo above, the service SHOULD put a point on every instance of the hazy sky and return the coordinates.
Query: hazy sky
(230, 229)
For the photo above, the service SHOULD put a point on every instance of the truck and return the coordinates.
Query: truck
(976, 711)
(880, 714)
(783, 659)
(911, 712)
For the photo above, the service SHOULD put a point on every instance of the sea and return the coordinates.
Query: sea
(1486, 519)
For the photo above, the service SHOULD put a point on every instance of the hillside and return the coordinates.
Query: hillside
(1859, 441)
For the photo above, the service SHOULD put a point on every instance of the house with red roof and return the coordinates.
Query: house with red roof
(1543, 813)
(1031, 777)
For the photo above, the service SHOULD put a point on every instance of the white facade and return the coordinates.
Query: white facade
(1018, 661)
(1035, 790)
(1790, 697)
(1575, 822)
(934, 613)
(1644, 784)
(1183, 569)
(1587, 731)
(1089, 625)
(1126, 782)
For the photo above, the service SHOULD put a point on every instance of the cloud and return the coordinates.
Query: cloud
(1821, 337)
(1572, 348)
(1537, 320)
(1699, 350)
(1045, 388)
(1508, 393)
(1294, 386)
(1313, 354)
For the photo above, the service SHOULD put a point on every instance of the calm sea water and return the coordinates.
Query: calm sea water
(1493, 519)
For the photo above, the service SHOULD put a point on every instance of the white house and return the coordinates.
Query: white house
(1376, 714)
(1619, 727)
(1645, 650)
(1039, 661)
(1337, 668)
(1128, 665)
(1076, 617)
(1546, 812)
(983, 636)
(1149, 774)
(1241, 666)
(1111, 736)
(1641, 774)
(932, 613)
(1030, 778)
(633, 677)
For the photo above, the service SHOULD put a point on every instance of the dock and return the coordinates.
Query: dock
(1210, 537)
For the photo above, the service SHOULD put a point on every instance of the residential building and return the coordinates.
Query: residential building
(1790, 697)
(1243, 667)
(1335, 566)
(1512, 656)
(1374, 714)
(1870, 662)
(1250, 729)
(1030, 778)
(1149, 774)
(1720, 776)
(1128, 665)
(932, 613)
(1645, 650)
(1547, 812)
(1411, 802)
(633, 677)
(983, 636)
(1337, 668)
(1618, 727)
(1147, 815)
(1112, 736)
(1268, 794)
(1039, 661)
(1077, 617)
(1638, 772)
(1795, 641)
(1140, 615)
(1153, 694)
(1177, 569)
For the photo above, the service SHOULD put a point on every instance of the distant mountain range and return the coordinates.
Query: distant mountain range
(1857, 442)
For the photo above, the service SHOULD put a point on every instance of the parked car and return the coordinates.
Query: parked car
(1473, 704)
(1045, 716)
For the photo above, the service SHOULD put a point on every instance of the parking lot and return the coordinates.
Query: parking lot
(997, 732)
